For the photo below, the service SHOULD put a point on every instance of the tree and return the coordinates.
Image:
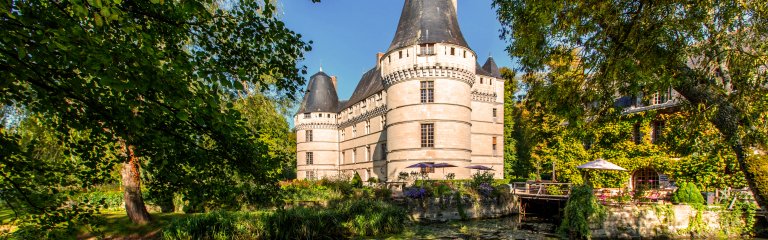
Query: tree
(151, 78)
(713, 53)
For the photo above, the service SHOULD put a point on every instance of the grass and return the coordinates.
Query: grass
(116, 223)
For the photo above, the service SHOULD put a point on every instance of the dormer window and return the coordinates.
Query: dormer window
(453, 51)
(401, 54)
(307, 115)
(427, 49)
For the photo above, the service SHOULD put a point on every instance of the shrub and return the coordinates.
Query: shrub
(581, 209)
(485, 189)
(215, 225)
(480, 178)
(687, 193)
(357, 181)
(373, 180)
(382, 193)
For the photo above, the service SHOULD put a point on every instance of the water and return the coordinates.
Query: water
(511, 227)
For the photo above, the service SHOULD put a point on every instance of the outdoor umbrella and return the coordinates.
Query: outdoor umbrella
(443, 166)
(479, 167)
(599, 164)
(421, 165)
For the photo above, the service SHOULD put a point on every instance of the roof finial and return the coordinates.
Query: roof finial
(321, 65)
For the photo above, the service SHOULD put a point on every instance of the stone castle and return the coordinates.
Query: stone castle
(427, 100)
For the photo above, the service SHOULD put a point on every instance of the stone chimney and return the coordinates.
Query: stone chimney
(333, 79)
(378, 58)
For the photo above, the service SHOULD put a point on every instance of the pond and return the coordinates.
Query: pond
(510, 227)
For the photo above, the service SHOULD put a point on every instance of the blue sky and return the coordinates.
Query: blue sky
(347, 34)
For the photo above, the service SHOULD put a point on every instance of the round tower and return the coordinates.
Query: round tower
(428, 73)
(316, 129)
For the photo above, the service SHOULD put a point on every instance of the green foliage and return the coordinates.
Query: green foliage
(480, 178)
(738, 222)
(687, 193)
(342, 219)
(581, 210)
(357, 181)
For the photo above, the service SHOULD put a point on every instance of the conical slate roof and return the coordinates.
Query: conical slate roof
(320, 96)
(427, 21)
(490, 67)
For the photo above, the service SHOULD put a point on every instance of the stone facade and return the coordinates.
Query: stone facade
(426, 100)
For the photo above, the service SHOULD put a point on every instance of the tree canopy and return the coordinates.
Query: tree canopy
(150, 81)
(713, 53)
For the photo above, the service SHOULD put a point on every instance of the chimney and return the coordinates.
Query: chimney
(333, 79)
(456, 5)
(378, 58)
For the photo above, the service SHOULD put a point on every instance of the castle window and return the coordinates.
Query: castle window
(367, 126)
(493, 146)
(354, 131)
(427, 91)
(310, 158)
(427, 49)
(329, 115)
(308, 135)
(495, 114)
(453, 51)
(383, 151)
(427, 135)
(310, 175)
(481, 80)
(307, 116)
(407, 53)
(354, 155)
(401, 54)
(465, 54)
(383, 122)
(342, 135)
(367, 153)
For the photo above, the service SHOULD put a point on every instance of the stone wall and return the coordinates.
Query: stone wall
(658, 222)
(446, 208)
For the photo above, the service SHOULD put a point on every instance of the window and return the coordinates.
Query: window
(428, 169)
(343, 156)
(645, 178)
(367, 153)
(427, 91)
(427, 49)
(383, 151)
(453, 51)
(342, 135)
(481, 80)
(367, 126)
(354, 131)
(493, 146)
(383, 122)
(319, 115)
(658, 130)
(329, 115)
(465, 54)
(308, 135)
(310, 175)
(310, 158)
(307, 116)
(427, 135)
(354, 155)
(637, 136)
(494, 112)
(401, 54)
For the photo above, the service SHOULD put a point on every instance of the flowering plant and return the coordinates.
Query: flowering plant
(485, 189)
(415, 193)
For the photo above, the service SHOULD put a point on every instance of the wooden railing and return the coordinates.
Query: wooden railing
(541, 190)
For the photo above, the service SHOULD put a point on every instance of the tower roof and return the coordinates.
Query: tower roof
(427, 21)
(320, 96)
(490, 67)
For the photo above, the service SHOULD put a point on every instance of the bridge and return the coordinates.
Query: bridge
(541, 191)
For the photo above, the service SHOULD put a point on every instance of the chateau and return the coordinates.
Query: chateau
(426, 100)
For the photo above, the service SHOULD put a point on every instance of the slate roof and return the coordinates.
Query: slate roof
(371, 83)
(320, 96)
(490, 67)
(427, 21)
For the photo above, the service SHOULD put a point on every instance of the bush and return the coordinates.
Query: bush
(687, 193)
(416, 193)
(339, 220)
(357, 181)
(581, 209)
(480, 178)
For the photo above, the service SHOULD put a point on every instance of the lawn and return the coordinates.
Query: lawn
(116, 224)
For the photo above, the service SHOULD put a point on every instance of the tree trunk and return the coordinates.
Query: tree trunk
(726, 120)
(134, 203)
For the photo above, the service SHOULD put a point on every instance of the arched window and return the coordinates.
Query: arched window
(645, 178)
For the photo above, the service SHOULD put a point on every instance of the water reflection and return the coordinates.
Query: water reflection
(511, 227)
